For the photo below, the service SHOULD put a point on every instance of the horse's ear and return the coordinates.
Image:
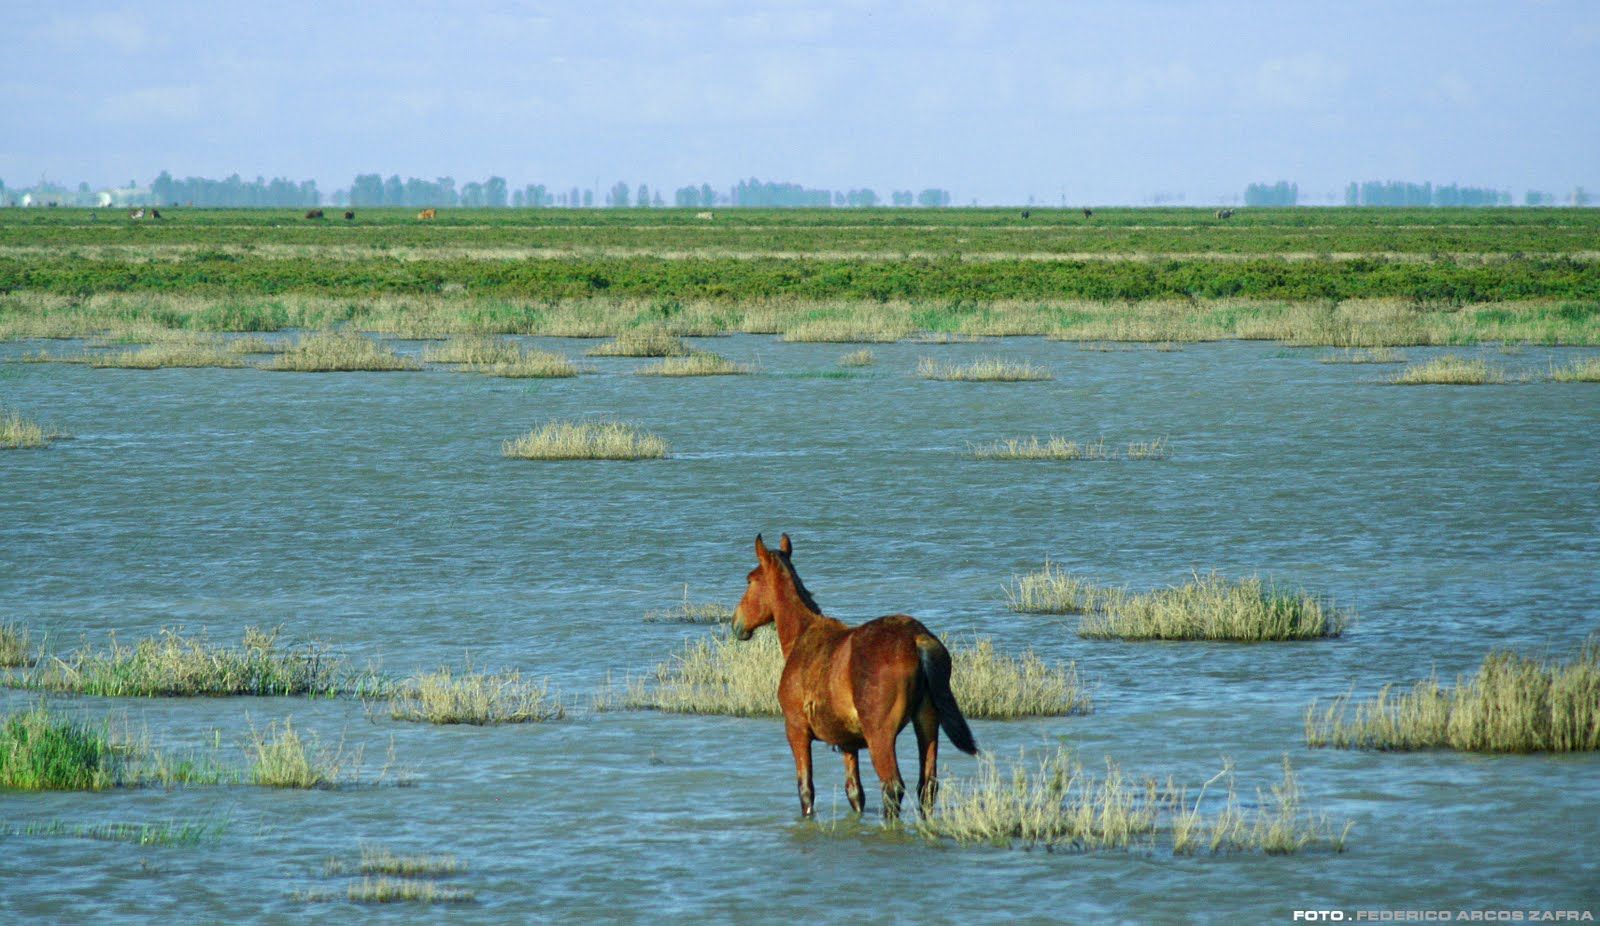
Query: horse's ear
(762, 553)
(785, 545)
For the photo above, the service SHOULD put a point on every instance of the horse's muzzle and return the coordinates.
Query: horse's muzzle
(739, 629)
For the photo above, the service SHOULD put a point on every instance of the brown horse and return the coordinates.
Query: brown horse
(853, 688)
(427, 214)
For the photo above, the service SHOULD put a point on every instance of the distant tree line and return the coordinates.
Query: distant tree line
(1282, 193)
(1401, 193)
(233, 191)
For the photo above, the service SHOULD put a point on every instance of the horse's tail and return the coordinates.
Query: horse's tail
(935, 661)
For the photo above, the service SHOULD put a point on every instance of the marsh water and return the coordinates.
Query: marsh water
(375, 512)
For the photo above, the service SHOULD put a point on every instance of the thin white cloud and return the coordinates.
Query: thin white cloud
(152, 104)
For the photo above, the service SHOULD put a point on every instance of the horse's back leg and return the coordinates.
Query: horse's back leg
(800, 744)
(927, 726)
(884, 763)
(852, 780)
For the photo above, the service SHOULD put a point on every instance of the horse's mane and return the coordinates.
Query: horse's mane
(800, 587)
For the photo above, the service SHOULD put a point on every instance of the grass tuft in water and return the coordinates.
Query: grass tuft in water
(1450, 370)
(1057, 804)
(162, 833)
(858, 358)
(586, 440)
(530, 364)
(983, 370)
(644, 342)
(1578, 371)
(699, 363)
(478, 351)
(281, 758)
(1157, 449)
(1209, 607)
(479, 698)
(172, 664)
(42, 750)
(1512, 704)
(691, 612)
(1031, 449)
(202, 352)
(16, 645)
(376, 860)
(1052, 590)
(406, 890)
(1364, 355)
(18, 433)
(334, 352)
(722, 675)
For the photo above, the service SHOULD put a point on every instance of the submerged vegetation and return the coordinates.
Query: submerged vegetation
(586, 440)
(1210, 607)
(479, 698)
(172, 664)
(1513, 703)
(1059, 804)
(691, 612)
(722, 675)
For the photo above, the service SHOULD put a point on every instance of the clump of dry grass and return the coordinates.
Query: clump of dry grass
(479, 698)
(1364, 355)
(1052, 590)
(983, 370)
(1157, 449)
(699, 363)
(858, 358)
(691, 612)
(1209, 607)
(209, 352)
(1055, 449)
(643, 342)
(1450, 370)
(1058, 804)
(1512, 704)
(331, 352)
(1578, 371)
(477, 351)
(586, 440)
(405, 890)
(376, 860)
(857, 329)
(255, 344)
(530, 364)
(281, 758)
(16, 645)
(722, 675)
(18, 433)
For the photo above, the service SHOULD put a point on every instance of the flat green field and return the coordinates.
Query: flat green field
(1345, 277)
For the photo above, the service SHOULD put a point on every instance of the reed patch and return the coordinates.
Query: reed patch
(529, 364)
(1586, 370)
(1052, 590)
(43, 750)
(858, 358)
(983, 370)
(1450, 370)
(641, 343)
(279, 757)
(586, 440)
(338, 352)
(473, 697)
(190, 353)
(16, 645)
(699, 363)
(1512, 704)
(722, 675)
(19, 433)
(1210, 607)
(691, 612)
(1368, 355)
(1053, 449)
(158, 833)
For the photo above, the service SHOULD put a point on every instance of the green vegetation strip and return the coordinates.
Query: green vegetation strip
(1210, 607)
(721, 675)
(1513, 703)
(41, 750)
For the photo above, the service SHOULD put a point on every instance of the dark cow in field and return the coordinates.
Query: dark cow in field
(1224, 213)
(349, 215)
(314, 214)
(1026, 213)
(1088, 213)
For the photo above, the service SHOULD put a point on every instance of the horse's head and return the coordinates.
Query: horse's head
(764, 588)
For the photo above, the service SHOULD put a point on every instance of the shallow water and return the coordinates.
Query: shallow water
(374, 511)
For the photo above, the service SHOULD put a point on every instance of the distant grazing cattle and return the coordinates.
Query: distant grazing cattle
(135, 213)
(427, 214)
(314, 214)
(1088, 213)
(1026, 213)
(1224, 213)
(708, 216)
(349, 215)
(155, 213)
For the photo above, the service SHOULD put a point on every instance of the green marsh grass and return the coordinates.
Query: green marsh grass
(172, 664)
(473, 697)
(1450, 370)
(1210, 607)
(586, 440)
(1364, 355)
(161, 833)
(722, 675)
(1056, 803)
(281, 758)
(1578, 371)
(641, 343)
(331, 352)
(42, 750)
(1052, 590)
(983, 370)
(1512, 704)
(18, 433)
(691, 612)
(858, 358)
(699, 363)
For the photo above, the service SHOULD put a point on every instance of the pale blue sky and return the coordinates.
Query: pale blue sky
(1104, 101)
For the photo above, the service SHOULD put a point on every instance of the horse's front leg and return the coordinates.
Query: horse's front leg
(852, 781)
(800, 744)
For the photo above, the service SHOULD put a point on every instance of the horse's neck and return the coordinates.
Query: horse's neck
(793, 619)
